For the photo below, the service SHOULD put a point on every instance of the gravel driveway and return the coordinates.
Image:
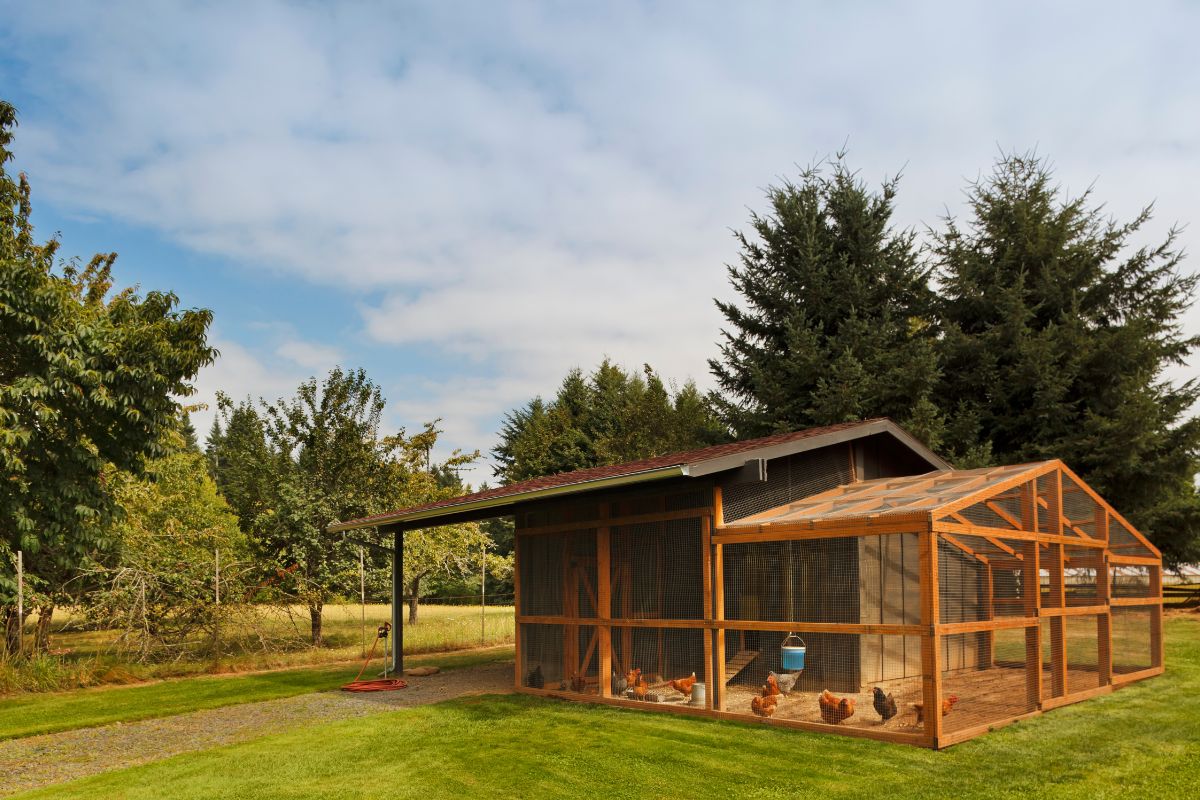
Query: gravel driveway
(38, 761)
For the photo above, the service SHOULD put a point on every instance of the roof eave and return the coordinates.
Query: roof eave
(662, 473)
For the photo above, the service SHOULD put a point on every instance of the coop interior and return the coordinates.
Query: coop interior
(641, 601)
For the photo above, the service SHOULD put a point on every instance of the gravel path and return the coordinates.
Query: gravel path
(38, 761)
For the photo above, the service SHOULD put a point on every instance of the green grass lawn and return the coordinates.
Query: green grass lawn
(1141, 741)
(32, 714)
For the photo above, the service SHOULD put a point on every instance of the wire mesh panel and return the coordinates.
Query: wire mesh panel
(980, 578)
(1047, 500)
(989, 683)
(562, 657)
(814, 580)
(1081, 511)
(836, 686)
(789, 479)
(1083, 653)
(1122, 541)
(558, 574)
(1131, 581)
(1083, 568)
(659, 665)
(1131, 640)
(657, 571)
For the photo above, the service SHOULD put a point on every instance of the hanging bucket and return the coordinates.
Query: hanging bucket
(792, 653)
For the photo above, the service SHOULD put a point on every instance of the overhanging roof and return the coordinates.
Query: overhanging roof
(691, 463)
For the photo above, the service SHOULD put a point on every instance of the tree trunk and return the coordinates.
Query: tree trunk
(41, 640)
(414, 596)
(314, 615)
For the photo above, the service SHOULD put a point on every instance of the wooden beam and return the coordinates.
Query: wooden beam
(1156, 619)
(931, 642)
(717, 690)
(944, 526)
(707, 591)
(604, 600)
(1031, 583)
(718, 507)
(1129, 677)
(949, 537)
(999, 511)
(518, 662)
(1144, 561)
(826, 529)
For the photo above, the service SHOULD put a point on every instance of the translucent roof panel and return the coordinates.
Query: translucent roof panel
(886, 496)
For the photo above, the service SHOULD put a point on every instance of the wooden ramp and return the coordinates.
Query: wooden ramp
(739, 662)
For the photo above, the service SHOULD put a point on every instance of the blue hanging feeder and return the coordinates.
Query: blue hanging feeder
(792, 654)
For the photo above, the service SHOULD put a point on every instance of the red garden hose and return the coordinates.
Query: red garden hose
(382, 684)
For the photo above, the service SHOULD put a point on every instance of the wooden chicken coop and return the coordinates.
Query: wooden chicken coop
(848, 566)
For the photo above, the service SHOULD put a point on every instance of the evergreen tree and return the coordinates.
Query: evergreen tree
(833, 323)
(607, 417)
(1058, 332)
(240, 461)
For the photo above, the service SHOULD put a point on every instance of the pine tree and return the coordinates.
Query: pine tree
(833, 322)
(608, 417)
(1058, 333)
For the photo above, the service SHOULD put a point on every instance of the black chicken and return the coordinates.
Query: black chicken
(535, 679)
(885, 704)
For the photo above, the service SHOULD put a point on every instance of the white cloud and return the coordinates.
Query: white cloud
(526, 189)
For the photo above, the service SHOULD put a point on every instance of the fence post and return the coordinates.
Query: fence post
(483, 594)
(217, 576)
(362, 599)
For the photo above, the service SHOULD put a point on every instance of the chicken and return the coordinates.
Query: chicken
(578, 683)
(771, 687)
(632, 677)
(947, 704)
(764, 706)
(835, 709)
(885, 704)
(535, 679)
(619, 684)
(636, 682)
(683, 685)
(786, 680)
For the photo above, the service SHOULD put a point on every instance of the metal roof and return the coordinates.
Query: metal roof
(690, 463)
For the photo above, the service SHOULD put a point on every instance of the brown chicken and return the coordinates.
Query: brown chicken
(835, 709)
(771, 687)
(947, 704)
(683, 685)
(578, 683)
(764, 706)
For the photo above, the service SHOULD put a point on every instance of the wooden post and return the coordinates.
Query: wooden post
(1156, 618)
(717, 690)
(398, 603)
(707, 580)
(988, 656)
(604, 600)
(518, 671)
(1056, 565)
(931, 642)
(1032, 584)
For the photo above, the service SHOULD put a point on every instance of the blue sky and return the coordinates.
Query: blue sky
(468, 199)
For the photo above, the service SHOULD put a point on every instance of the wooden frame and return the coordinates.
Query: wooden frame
(1038, 542)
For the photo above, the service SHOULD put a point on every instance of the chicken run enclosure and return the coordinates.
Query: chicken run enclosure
(920, 608)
